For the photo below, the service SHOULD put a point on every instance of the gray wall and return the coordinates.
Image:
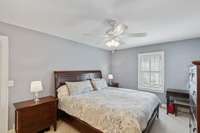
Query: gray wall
(178, 57)
(34, 56)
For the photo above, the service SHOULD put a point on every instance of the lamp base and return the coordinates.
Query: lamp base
(110, 82)
(36, 99)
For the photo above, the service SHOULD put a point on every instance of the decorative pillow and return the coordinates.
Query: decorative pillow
(79, 87)
(62, 91)
(99, 83)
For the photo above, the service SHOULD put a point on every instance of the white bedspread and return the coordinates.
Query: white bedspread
(112, 110)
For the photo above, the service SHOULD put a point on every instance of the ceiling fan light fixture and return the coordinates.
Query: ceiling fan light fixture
(112, 43)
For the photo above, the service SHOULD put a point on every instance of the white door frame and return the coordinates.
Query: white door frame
(4, 84)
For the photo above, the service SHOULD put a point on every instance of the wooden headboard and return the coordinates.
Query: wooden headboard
(72, 76)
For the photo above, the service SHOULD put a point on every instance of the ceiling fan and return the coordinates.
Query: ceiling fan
(116, 31)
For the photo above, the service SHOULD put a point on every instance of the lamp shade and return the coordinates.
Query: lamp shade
(36, 86)
(110, 76)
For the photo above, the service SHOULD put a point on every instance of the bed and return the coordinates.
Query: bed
(104, 106)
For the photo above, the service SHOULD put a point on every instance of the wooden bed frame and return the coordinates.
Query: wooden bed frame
(62, 76)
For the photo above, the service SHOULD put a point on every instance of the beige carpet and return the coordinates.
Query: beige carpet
(165, 124)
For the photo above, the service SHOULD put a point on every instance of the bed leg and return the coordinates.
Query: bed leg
(158, 112)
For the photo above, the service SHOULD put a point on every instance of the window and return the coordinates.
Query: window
(151, 71)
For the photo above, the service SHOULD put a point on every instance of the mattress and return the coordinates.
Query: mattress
(112, 110)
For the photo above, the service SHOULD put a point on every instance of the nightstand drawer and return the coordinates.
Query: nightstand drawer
(37, 114)
(28, 123)
(35, 127)
(30, 113)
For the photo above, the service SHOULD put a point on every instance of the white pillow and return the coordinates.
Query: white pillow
(99, 83)
(79, 87)
(62, 91)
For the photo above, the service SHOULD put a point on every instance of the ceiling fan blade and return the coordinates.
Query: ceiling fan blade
(136, 34)
(90, 34)
(93, 35)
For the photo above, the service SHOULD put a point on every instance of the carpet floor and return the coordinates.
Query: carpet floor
(165, 124)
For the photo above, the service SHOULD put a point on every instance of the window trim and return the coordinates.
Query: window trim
(162, 72)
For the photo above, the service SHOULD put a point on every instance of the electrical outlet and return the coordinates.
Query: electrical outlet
(11, 83)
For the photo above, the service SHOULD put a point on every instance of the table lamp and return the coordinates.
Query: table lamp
(36, 87)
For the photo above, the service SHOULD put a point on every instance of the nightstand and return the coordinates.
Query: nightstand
(113, 84)
(32, 118)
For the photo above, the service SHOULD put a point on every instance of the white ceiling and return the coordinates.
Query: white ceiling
(163, 20)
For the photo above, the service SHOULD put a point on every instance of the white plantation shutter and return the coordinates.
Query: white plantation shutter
(151, 71)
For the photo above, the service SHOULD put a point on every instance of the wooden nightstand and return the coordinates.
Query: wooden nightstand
(114, 84)
(32, 118)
